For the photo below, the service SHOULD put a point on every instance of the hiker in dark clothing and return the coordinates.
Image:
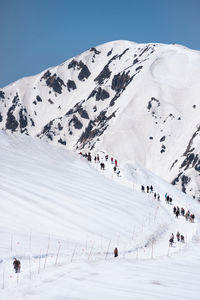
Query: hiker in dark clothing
(106, 157)
(158, 197)
(115, 252)
(170, 200)
(142, 188)
(178, 236)
(171, 240)
(192, 218)
(174, 209)
(182, 211)
(177, 213)
(98, 157)
(114, 168)
(147, 189)
(182, 239)
(17, 265)
(102, 165)
(89, 157)
(151, 188)
(154, 195)
(95, 159)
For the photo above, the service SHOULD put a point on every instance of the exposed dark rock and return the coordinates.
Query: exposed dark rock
(179, 118)
(75, 121)
(32, 122)
(11, 122)
(50, 101)
(22, 119)
(71, 85)
(73, 64)
(120, 81)
(53, 81)
(1, 118)
(84, 74)
(39, 99)
(112, 102)
(135, 61)
(123, 53)
(60, 127)
(83, 113)
(95, 108)
(138, 68)
(151, 138)
(34, 102)
(194, 106)
(100, 93)
(95, 129)
(103, 75)
(173, 164)
(2, 95)
(109, 52)
(62, 142)
(95, 50)
(162, 139)
(162, 151)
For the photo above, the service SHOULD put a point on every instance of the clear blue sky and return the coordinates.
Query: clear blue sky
(37, 34)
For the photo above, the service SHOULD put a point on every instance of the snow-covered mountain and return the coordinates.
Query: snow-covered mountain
(137, 102)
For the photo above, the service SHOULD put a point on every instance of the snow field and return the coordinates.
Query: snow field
(63, 219)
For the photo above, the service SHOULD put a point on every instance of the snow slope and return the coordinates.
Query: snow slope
(63, 216)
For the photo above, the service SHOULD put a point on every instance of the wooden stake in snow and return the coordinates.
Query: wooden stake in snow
(45, 261)
(11, 243)
(90, 251)
(152, 249)
(30, 238)
(3, 278)
(29, 267)
(39, 262)
(73, 252)
(57, 255)
(107, 249)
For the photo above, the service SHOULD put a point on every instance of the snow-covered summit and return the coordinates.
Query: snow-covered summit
(138, 102)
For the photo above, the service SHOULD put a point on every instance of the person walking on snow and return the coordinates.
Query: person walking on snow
(17, 265)
(115, 252)
(115, 163)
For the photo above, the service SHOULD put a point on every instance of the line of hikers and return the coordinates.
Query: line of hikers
(181, 212)
(179, 237)
(102, 164)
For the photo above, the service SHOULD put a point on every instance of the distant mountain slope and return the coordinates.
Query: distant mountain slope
(139, 102)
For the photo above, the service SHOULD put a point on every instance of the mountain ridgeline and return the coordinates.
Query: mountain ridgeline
(138, 102)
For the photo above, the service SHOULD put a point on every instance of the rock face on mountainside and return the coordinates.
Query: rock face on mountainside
(139, 102)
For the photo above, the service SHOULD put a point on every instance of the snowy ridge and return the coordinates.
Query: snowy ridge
(144, 95)
(62, 217)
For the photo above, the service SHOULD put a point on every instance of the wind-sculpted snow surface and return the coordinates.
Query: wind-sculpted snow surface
(138, 101)
(62, 218)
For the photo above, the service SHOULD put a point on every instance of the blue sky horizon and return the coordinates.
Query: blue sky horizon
(36, 35)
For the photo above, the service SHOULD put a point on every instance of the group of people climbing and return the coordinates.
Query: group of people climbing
(181, 212)
(97, 159)
(176, 210)
(179, 237)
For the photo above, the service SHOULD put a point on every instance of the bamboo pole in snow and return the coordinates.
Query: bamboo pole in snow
(56, 261)
(107, 249)
(39, 262)
(3, 279)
